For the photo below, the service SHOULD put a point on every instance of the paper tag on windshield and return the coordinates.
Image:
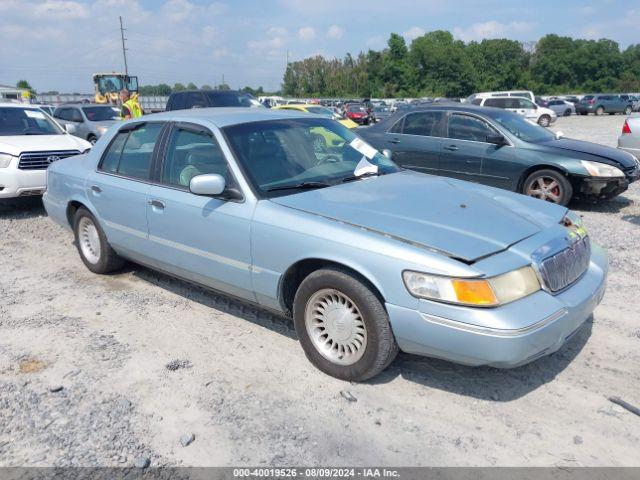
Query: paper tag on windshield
(364, 166)
(364, 148)
(34, 114)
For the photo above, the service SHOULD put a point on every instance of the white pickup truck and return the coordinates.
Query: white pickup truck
(30, 141)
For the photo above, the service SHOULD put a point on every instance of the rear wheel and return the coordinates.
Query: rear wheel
(94, 250)
(343, 326)
(548, 185)
(567, 112)
(600, 111)
(544, 120)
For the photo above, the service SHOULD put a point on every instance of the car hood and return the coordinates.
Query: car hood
(460, 219)
(16, 144)
(607, 154)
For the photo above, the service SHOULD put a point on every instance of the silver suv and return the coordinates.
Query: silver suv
(91, 121)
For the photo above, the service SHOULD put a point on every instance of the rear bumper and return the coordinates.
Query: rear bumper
(20, 183)
(630, 144)
(551, 321)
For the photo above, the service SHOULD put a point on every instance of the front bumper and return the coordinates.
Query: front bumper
(596, 188)
(471, 336)
(21, 183)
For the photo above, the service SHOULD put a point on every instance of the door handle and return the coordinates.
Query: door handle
(394, 141)
(96, 189)
(157, 204)
(451, 148)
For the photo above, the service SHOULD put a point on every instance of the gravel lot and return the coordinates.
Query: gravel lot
(113, 370)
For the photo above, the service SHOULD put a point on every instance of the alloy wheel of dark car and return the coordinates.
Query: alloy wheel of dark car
(544, 120)
(343, 326)
(548, 185)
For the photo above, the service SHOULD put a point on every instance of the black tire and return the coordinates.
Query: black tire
(584, 113)
(600, 110)
(628, 110)
(92, 139)
(109, 261)
(381, 347)
(567, 112)
(564, 190)
(544, 120)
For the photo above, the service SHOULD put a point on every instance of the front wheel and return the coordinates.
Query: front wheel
(628, 110)
(600, 111)
(567, 112)
(548, 185)
(343, 326)
(92, 139)
(94, 250)
(544, 120)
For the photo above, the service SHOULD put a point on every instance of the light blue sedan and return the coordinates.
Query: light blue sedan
(366, 257)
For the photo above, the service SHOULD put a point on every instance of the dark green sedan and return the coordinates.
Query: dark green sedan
(500, 148)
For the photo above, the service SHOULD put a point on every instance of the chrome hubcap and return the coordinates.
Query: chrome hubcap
(545, 188)
(336, 327)
(89, 240)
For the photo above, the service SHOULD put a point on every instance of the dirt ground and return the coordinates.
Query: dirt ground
(84, 377)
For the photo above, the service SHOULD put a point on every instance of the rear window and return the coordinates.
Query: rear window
(588, 97)
(231, 99)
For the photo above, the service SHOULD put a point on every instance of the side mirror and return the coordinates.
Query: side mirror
(387, 153)
(559, 135)
(70, 128)
(496, 139)
(208, 185)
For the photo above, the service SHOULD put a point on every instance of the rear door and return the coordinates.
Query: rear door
(416, 141)
(204, 239)
(118, 189)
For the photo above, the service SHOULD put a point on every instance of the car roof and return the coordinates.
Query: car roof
(83, 105)
(226, 116)
(18, 105)
(212, 92)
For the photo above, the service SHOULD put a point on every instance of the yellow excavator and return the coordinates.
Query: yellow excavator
(108, 86)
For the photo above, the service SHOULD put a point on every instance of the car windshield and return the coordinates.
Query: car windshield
(27, 121)
(355, 108)
(325, 112)
(287, 156)
(101, 114)
(380, 109)
(523, 129)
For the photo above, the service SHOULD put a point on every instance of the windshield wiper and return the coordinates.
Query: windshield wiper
(300, 186)
(353, 178)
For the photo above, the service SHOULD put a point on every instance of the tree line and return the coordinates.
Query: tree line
(436, 64)
(163, 89)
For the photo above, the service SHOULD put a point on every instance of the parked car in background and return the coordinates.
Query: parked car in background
(508, 93)
(632, 99)
(90, 121)
(541, 102)
(319, 110)
(30, 141)
(380, 112)
(571, 98)
(562, 108)
(520, 105)
(629, 139)
(211, 98)
(600, 104)
(367, 258)
(358, 113)
(500, 148)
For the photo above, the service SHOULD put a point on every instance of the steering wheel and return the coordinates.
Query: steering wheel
(327, 159)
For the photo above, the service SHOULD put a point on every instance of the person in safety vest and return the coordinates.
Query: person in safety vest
(130, 106)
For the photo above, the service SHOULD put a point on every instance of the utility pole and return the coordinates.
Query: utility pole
(124, 49)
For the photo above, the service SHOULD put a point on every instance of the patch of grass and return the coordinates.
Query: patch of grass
(31, 365)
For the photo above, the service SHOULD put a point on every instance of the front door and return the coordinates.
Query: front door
(200, 238)
(118, 189)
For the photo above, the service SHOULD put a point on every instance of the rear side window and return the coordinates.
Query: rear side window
(62, 113)
(178, 101)
(476, 101)
(228, 99)
(130, 153)
(496, 102)
(422, 123)
(196, 100)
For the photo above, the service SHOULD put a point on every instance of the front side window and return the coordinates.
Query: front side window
(26, 121)
(497, 102)
(192, 153)
(524, 103)
(523, 129)
(101, 114)
(130, 152)
(281, 156)
(423, 123)
(465, 127)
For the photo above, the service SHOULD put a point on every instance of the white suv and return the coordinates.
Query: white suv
(30, 141)
(541, 115)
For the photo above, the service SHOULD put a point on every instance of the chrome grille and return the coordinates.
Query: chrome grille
(42, 160)
(565, 267)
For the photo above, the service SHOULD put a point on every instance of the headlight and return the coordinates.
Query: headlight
(574, 222)
(597, 169)
(5, 160)
(478, 292)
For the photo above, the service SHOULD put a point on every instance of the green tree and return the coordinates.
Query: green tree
(178, 87)
(26, 85)
(192, 86)
(499, 64)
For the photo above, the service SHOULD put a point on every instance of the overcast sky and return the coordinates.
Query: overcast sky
(58, 44)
